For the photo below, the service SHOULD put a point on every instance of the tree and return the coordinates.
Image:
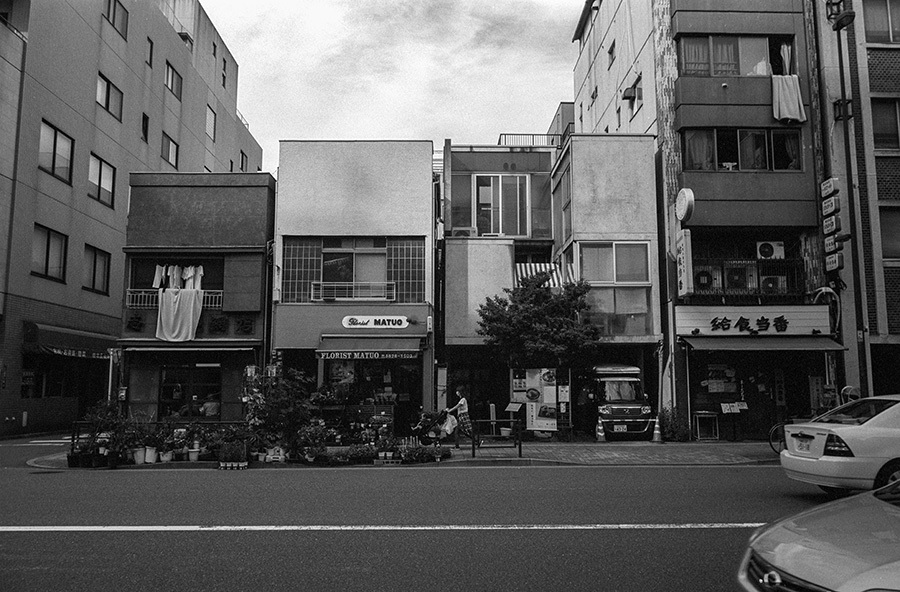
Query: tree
(534, 326)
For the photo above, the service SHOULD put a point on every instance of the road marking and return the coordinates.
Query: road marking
(379, 527)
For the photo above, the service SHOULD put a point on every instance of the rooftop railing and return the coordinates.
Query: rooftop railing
(552, 140)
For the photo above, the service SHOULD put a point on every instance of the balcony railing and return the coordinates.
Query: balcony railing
(775, 279)
(322, 291)
(529, 140)
(149, 299)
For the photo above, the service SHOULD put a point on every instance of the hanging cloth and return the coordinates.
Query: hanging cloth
(174, 272)
(179, 314)
(159, 278)
(787, 104)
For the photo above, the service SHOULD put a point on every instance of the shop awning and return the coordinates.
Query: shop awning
(62, 341)
(786, 343)
(524, 270)
(372, 348)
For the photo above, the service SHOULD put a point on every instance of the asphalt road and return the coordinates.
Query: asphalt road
(387, 528)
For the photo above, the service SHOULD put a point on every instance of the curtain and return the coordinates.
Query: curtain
(725, 56)
(786, 58)
(696, 55)
(792, 147)
(699, 150)
(753, 151)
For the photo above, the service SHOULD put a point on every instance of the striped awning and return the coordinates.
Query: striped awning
(524, 270)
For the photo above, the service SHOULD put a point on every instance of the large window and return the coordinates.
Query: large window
(109, 96)
(116, 14)
(890, 232)
(101, 180)
(173, 80)
(501, 204)
(96, 270)
(191, 391)
(619, 274)
(169, 150)
(725, 149)
(884, 124)
(48, 253)
(55, 156)
(882, 19)
(724, 55)
(361, 268)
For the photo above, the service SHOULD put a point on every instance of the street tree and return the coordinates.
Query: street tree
(534, 326)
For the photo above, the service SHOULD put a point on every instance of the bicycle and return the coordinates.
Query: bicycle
(776, 438)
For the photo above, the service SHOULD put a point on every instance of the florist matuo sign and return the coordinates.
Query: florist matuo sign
(374, 322)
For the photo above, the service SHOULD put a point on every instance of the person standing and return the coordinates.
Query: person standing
(464, 425)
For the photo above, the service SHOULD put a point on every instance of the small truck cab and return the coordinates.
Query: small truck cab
(623, 407)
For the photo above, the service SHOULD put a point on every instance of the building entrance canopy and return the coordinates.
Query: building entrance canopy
(67, 342)
(371, 348)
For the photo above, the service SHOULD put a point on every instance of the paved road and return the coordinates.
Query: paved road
(421, 528)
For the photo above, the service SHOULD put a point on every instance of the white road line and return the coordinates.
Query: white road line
(379, 527)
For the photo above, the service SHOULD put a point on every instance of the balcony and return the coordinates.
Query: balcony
(149, 299)
(550, 140)
(327, 291)
(748, 281)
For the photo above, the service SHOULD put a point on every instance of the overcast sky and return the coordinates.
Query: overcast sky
(467, 70)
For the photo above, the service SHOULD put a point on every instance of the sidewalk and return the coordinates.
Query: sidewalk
(564, 453)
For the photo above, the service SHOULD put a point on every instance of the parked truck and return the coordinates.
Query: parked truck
(623, 408)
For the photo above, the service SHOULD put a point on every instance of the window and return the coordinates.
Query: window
(501, 204)
(173, 80)
(109, 96)
(210, 123)
(116, 14)
(101, 180)
(55, 153)
(169, 150)
(884, 124)
(48, 253)
(145, 127)
(224, 71)
(619, 263)
(618, 117)
(359, 268)
(149, 52)
(611, 55)
(190, 391)
(243, 161)
(741, 150)
(890, 232)
(882, 18)
(96, 270)
(214, 48)
(724, 55)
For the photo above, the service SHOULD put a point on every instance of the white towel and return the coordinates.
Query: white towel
(179, 314)
(787, 103)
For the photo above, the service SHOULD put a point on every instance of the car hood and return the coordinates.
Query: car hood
(850, 544)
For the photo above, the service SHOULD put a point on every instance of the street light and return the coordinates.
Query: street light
(840, 19)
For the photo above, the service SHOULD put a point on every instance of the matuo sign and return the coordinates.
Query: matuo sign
(374, 322)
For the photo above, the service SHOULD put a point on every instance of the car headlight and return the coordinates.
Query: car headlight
(604, 410)
(645, 410)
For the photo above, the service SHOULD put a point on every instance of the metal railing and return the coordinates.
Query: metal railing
(486, 438)
(149, 299)
(353, 291)
(749, 277)
(529, 140)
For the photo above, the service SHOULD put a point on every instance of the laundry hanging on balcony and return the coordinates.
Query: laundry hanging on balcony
(787, 102)
(176, 276)
(179, 314)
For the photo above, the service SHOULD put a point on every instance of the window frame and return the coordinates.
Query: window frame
(112, 12)
(244, 162)
(149, 59)
(739, 44)
(210, 110)
(611, 55)
(104, 96)
(615, 244)
(67, 179)
(145, 128)
(896, 137)
(527, 205)
(174, 80)
(168, 142)
(101, 163)
(91, 256)
(49, 234)
(892, 38)
(770, 133)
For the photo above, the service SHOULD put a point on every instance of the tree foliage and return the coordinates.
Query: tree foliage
(534, 326)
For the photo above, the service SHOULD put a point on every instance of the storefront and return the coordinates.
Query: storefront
(747, 368)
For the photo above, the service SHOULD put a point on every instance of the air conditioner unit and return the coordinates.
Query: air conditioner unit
(464, 231)
(773, 284)
(770, 250)
(707, 278)
(740, 277)
(629, 94)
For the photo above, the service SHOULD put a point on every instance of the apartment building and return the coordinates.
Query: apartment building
(91, 91)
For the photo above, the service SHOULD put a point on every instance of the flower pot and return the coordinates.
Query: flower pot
(506, 432)
(150, 454)
(193, 454)
(138, 455)
(166, 456)
(261, 456)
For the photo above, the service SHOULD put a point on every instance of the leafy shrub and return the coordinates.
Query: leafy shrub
(674, 427)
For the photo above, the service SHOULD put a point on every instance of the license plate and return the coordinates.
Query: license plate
(802, 445)
(620, 428)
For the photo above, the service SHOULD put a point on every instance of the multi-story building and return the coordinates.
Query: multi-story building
(354, 272)
(198, 302)
(730, 92)
(91, 91)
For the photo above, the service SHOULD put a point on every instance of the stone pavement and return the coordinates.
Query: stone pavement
(562, 453)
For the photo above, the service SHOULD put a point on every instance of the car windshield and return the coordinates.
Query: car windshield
(856, 412)
(622, 391)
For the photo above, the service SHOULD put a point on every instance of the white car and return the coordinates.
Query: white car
(854, 446)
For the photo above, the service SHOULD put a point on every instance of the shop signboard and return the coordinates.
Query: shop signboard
(747, 321)
(374, 322)
(537, 389)
(683, 263)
